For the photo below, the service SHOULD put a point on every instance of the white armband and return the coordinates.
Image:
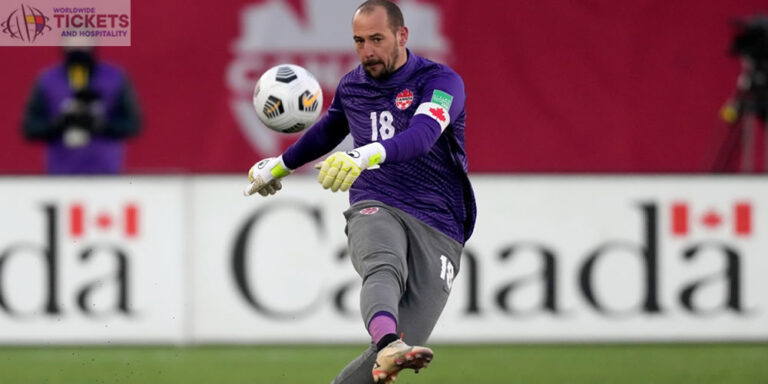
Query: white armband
(435, 111)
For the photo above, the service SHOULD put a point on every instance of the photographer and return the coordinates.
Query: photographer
(82, 109)
(746, 112)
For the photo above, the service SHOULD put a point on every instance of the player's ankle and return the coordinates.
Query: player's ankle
(386, 340)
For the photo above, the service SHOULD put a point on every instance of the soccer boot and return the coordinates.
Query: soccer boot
(398, 356)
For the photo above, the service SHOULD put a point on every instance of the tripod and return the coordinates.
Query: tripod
(745, 115)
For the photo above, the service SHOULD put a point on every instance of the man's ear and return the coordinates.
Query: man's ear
(402, 36)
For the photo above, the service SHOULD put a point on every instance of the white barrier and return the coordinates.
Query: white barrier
(91, 260)
(159, 260)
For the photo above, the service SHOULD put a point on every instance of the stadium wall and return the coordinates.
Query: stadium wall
(175, 260)
(552, 86)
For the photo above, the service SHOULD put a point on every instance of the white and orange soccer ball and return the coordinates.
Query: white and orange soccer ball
(287, 98)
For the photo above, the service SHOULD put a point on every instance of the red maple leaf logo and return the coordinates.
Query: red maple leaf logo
(741, 218)
(80, 222)
(711, 219)
(438, 113)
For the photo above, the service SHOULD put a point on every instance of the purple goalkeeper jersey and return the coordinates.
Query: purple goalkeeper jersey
(417, 114)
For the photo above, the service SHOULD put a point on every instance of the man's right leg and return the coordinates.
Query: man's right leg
(377, 248)
(433, 261)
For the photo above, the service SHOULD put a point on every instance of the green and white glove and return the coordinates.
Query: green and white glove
(264, 176)
(341, 169)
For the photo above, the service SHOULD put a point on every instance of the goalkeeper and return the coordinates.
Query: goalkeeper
(412, 205)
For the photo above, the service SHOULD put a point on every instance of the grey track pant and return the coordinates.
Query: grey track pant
(407, 269)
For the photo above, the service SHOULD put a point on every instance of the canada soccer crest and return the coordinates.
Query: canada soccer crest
(404, 99)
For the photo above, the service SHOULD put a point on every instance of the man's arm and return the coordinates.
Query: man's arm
(264, 176)
(320, 138)
(443, 101)
(37, 123)
(125, 121)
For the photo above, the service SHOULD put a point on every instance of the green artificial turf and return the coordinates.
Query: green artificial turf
(520, 364)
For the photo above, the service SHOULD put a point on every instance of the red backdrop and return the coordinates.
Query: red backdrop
(553, 86)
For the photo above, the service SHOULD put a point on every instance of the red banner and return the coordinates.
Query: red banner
(552, 86)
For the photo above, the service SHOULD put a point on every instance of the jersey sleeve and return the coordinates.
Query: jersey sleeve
(38, 124)
(442, 102)
(320, 138)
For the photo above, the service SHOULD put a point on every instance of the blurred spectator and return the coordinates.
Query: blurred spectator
(83, 109)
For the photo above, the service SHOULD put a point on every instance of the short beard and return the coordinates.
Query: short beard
(386, 71)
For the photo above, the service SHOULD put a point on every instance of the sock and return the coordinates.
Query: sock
(381, 324)
(385, 340)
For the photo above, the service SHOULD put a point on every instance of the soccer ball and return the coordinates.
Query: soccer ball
(287, 98)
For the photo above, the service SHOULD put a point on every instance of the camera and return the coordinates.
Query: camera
(81, 117)
(751, 39)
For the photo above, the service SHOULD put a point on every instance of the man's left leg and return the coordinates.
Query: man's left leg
(433, 261)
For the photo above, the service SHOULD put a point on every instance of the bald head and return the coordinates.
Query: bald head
(394, 15)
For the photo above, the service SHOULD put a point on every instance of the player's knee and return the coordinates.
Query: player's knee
(393, 266)
(386, 274)
(382, 260)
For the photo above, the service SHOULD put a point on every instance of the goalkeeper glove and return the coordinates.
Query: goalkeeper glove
(264, 176)
(341, 169)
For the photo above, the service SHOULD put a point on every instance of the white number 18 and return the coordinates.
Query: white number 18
(446, 272)
(387, 130)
